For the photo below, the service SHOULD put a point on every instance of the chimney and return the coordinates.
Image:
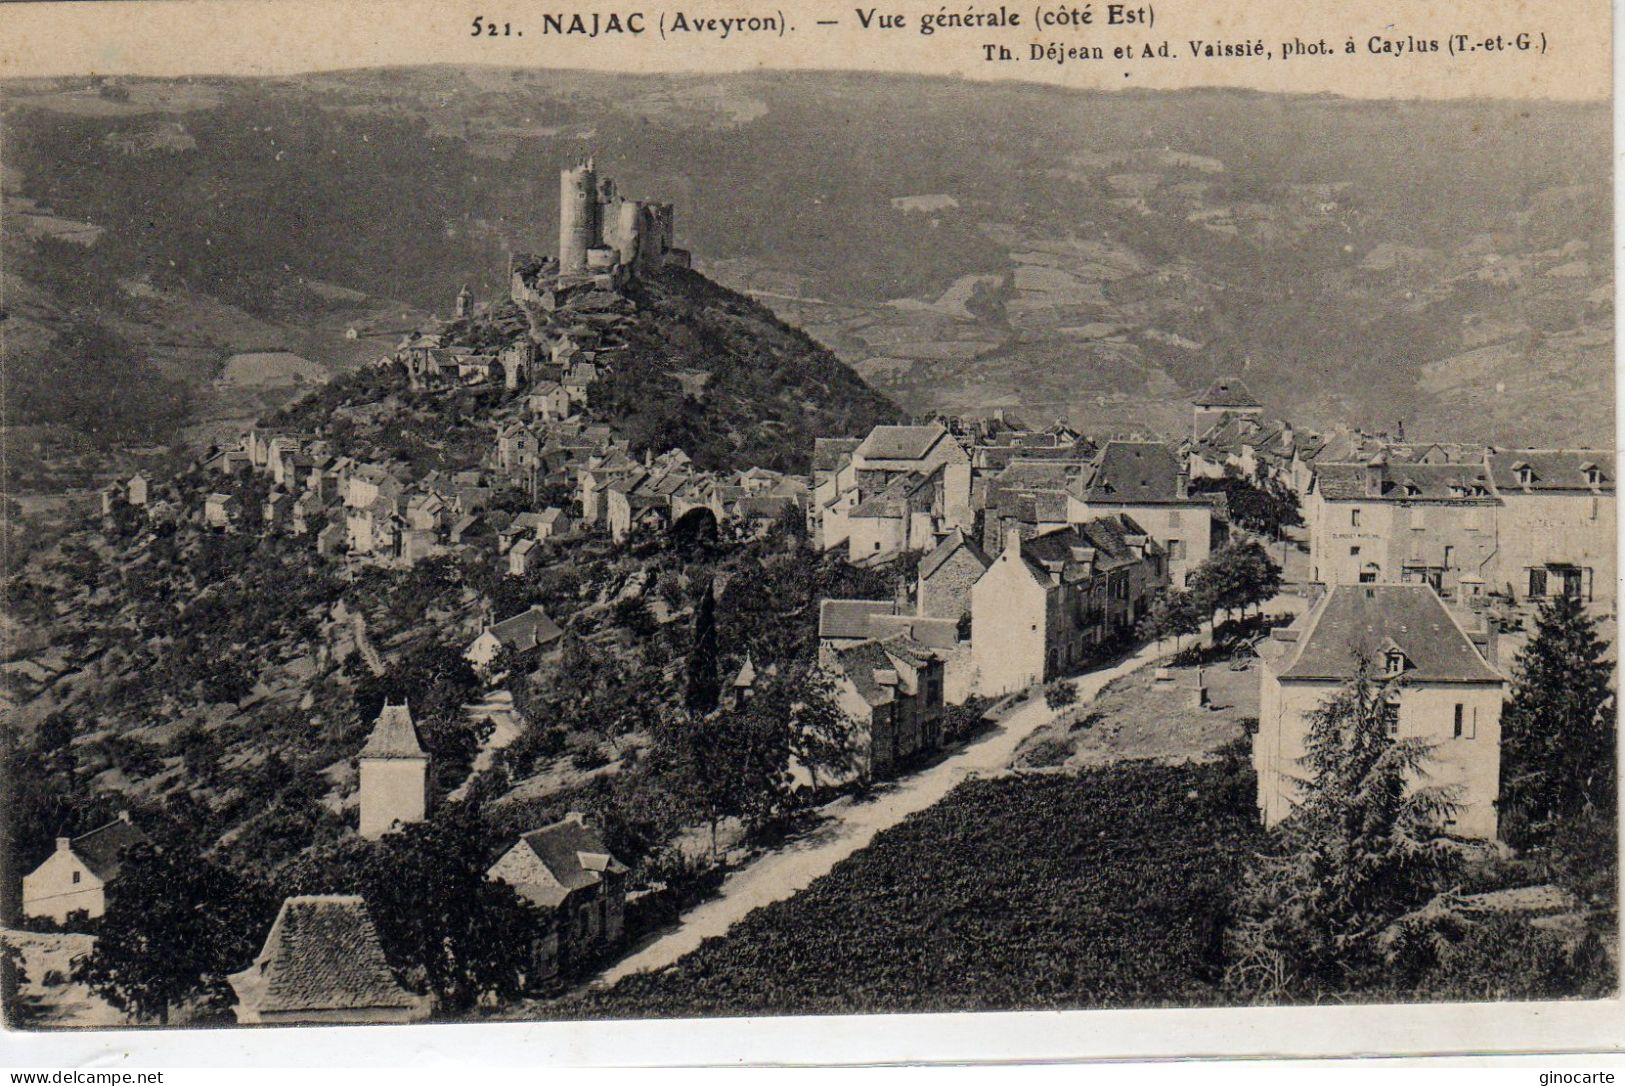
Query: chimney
(1182, 483)
(124, 816)
(63, 844)
(1012, 540)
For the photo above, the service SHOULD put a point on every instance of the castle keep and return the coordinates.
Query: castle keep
(605, 240)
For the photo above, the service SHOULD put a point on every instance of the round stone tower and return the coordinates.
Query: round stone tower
(578, 217)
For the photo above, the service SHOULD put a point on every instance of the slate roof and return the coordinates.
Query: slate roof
(952, 542)
(572, 853)
(850, 618)
(527, 630)
(322, 954)
(859, 663)
(827, 452)
(923, 633)
(1227, 392)
(1405, 482)
(1554, 470)
(1132, 471)
(393, 735)
(892, 503)
(900, 442)
(103, 848)
(1355, 617)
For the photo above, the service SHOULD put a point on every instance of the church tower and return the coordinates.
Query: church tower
(394, 774)
(465, 300)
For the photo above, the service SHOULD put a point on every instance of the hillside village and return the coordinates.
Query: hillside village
(518, 606)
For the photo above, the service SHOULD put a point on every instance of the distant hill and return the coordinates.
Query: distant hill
(962, 245)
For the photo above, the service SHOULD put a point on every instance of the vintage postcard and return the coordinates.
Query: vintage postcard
(630, 511)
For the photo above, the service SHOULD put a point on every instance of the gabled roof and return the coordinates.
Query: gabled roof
(1132, 471)
(1355, 618)
(572, 854)
(945, 550)
(828, 452)
(1551, 469)
(850, 618)
(526, 630)
(900, 442)
(1227, 392)
(859, 663)
(1405, 482)
(393, 736)
(103, 848)
(892, 503)
(322, 954)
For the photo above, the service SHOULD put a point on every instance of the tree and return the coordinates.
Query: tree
(704, 686)
(818, 733)
(1174, 613)
(175, 926)
(1557, 735)
(443, 923)
(1353, 868)
(1235, 577)
(727, 765)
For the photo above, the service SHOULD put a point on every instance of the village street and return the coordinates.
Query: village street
(853, 824)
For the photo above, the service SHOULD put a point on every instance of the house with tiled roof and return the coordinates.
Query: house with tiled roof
(1441, 686)
(1557, 524)
(945, 576)
(892, 692)
(394, 774)
(1387, 520)
(322, 964)
(1225, 395)
(1048, 603)
(890, 452)
(1146, 481)
(566, 870)
(526, 633)
(75, 877)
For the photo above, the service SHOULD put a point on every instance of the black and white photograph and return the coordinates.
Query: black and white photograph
(490, 541)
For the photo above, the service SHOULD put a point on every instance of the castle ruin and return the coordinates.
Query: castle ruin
(605, 240)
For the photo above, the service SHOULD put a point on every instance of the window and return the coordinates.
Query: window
(877, 544)
(1176, 549)
(1573, 583)
(1537, 584)
(1395, 663)
(1449, 554)
(1459, 725)
(1354, 518)
(1390, 717)
(1354, 552)
(76, 878)
(1173, 518)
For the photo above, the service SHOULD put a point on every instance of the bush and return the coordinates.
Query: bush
(1047, 752)
(1059, 695)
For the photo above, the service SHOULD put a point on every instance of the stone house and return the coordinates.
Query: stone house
(834, 490)
(892, 691)
(892, 451)
(549, 401)
(1446, 691)
(946, 576)
(1227, 395)
(551, 523)
(1145, 480)
(904, 516)
(566, 870)
(221, 510)
(1046, 604)
(1557, 524)
(525, 633)
(523, 557)
(1405, 522)
(322, 964)
(75, 877)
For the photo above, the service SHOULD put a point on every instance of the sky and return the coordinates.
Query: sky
(1568, 54)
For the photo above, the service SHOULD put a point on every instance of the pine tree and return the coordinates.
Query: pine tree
(1352, 866)
(1557, 731)
(704, 685)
